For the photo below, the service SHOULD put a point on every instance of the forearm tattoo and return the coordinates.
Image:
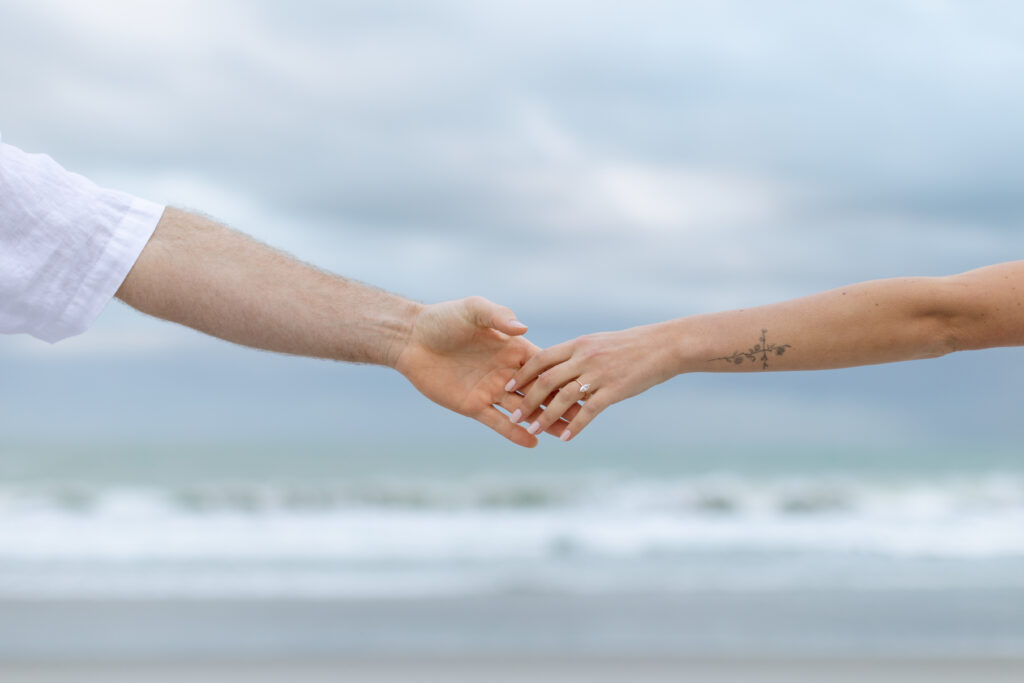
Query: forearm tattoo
(757, 352)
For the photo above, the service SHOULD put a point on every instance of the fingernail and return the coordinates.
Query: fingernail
(511, 385)
(534, 428)
(516, 416)
(566, 435)
(516, 323)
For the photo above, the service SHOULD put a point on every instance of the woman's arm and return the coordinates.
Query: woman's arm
(881, 321)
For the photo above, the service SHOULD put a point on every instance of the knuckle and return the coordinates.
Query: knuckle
(589, 346)
(564, 402)
(536, 397)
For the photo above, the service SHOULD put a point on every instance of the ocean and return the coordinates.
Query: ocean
(355, 552)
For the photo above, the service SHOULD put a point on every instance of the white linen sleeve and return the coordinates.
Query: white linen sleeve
(66, 245)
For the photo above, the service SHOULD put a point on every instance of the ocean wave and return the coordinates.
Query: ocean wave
(718, 494)
(490, 520)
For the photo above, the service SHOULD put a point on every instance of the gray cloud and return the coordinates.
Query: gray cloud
(592, 164)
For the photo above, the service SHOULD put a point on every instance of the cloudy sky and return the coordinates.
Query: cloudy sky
(592, 165)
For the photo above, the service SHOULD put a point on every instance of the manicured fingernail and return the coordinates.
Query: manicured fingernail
(534, 428)
(566, 435)
(516, 323)
(516, 416)
(511, 385)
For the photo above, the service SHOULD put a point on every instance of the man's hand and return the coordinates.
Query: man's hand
(461, 354)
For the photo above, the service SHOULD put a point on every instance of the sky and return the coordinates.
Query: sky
(591, 165)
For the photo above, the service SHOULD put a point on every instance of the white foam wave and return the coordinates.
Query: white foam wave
(955, 517)
(428, 537)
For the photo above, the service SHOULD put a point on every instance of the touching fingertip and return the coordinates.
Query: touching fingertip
(516, 416)
(526, 440)
(510, 386)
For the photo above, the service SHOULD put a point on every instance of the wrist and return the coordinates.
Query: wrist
(681, 342)
(400, 332)
(660, 344)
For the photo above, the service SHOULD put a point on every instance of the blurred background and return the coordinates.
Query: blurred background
(593, 166)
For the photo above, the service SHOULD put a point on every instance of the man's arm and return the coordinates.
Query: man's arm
(198, 273)
(882, 321)
(221, 282)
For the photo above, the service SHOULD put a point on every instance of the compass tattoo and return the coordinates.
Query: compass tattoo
(757, 352)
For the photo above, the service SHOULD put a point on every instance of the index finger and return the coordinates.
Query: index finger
(539, 363)
(496, 420)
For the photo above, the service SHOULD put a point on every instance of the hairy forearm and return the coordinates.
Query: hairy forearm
(200, 274)
(874, 322)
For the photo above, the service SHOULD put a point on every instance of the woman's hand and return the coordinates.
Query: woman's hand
(598, 369)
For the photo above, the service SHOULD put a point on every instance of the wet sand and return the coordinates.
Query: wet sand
(793, 625)
(505, 670)
(902, 637)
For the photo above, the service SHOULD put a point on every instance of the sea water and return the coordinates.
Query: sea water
(583, 533)
(610, 531)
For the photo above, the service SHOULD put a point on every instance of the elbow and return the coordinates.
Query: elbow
(945, 323)
(960, 318)
(945, 340)
(936, 336)
(935, 325)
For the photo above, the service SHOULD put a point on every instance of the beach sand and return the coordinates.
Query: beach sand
(903, 637)
(505, 670)
(791, 625)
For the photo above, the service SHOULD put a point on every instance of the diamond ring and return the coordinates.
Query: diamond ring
(584, 388)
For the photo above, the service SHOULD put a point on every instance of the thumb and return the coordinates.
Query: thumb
(486, 313)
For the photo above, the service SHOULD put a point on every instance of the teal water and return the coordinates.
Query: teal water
(789, 551)
(170, 462)
(157, 520)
